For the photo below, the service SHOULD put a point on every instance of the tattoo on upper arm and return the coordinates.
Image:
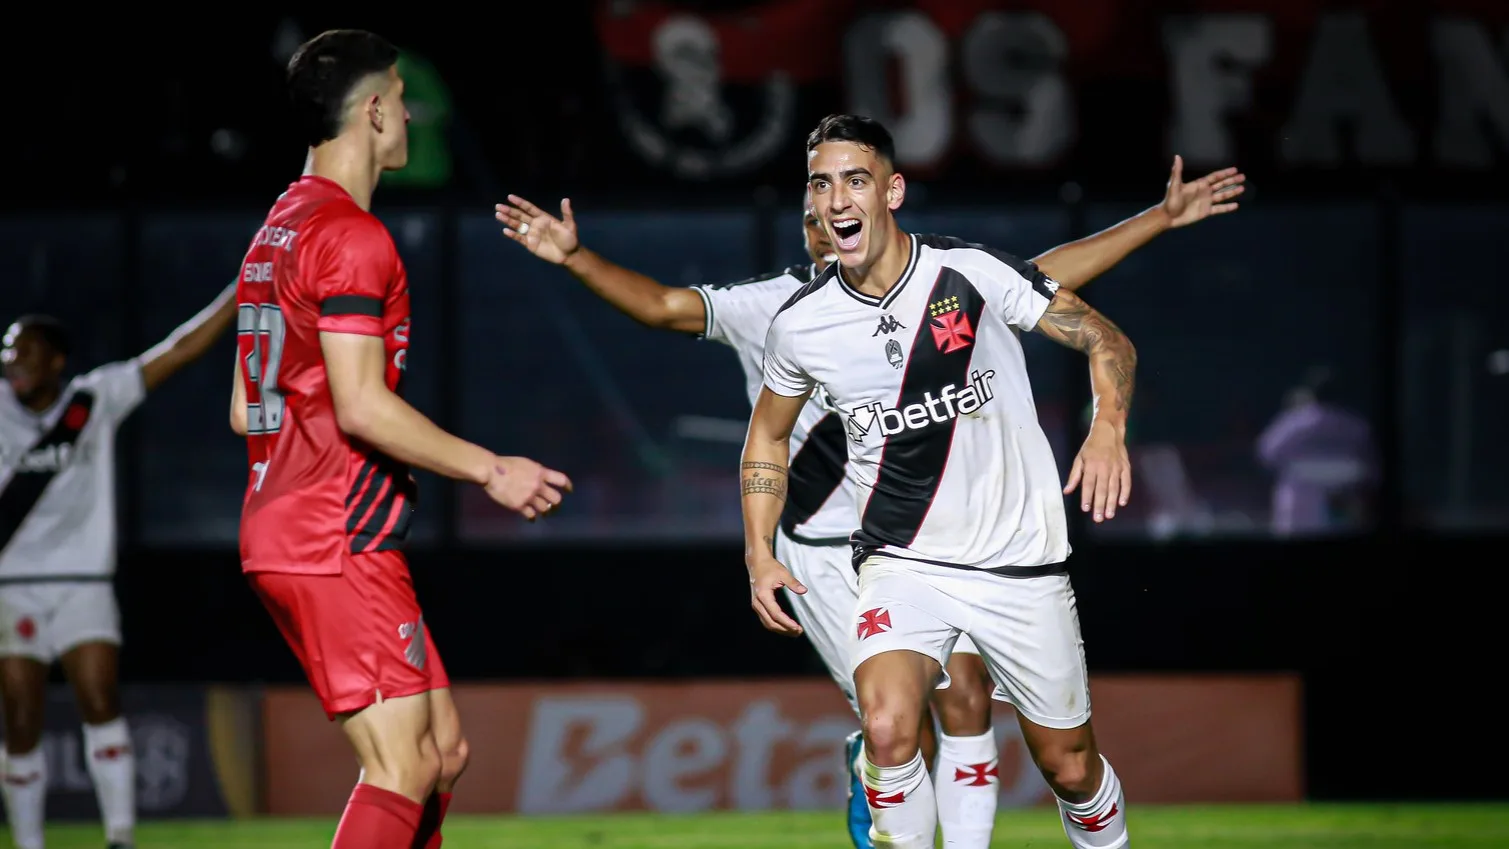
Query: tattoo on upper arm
(1071, 322)
(767, 478)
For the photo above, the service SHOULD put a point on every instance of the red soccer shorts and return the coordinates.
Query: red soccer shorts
(359, 635)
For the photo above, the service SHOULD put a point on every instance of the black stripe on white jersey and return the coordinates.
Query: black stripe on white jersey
(912, 462)
(40, 465)
(816, 472)
(804, 274)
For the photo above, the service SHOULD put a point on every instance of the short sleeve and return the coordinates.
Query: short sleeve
(357, 264)
(739, 314)
(118, 388)
(782, 374)
(1025, 290)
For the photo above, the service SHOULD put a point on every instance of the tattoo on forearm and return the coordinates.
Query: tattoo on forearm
(1072, 322)
(769, 543)
(765, 478)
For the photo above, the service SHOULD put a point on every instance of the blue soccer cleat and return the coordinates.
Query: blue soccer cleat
(859, 807)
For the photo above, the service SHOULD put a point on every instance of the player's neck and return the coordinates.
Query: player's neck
(885, 272)
(353, 170)
(41, 400)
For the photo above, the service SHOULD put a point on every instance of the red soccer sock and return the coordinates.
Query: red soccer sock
(428, 836)
(377, 819)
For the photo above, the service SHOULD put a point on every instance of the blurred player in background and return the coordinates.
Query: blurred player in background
(962, 526)
(323, 326)
(819, 514)
(57, 553)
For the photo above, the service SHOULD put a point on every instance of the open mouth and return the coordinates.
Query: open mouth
(847, 230)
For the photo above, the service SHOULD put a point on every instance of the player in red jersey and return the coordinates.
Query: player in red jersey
(323, 327)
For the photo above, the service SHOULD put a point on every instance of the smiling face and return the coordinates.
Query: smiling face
(854, 193)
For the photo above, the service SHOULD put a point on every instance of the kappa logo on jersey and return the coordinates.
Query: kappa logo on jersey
(893, 353)
(950, 326)
(888, 325)
(950, 403)
(873, 622)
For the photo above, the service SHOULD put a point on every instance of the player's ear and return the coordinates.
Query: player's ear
(895, 192)
(373, 107)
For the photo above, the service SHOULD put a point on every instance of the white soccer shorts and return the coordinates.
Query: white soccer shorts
(826, 611)
(1026, 629)
(43, 620)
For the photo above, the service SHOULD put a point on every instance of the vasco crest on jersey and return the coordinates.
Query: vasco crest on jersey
(950, 325)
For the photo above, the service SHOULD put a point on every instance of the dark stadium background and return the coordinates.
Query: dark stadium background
(143, 155)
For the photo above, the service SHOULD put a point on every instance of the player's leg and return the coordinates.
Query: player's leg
(826, 614)
(450, 743)
(24, 656)
(361, 640)
(1029, 637)
(900, 641)
(86, 630)
(966, 779)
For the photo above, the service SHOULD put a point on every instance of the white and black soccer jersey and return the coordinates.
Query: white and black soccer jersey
(950, 464)
(57, 477)
(819, 509)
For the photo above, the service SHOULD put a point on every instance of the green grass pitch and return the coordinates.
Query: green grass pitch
(1231, 827)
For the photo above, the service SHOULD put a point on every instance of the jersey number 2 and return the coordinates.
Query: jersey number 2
(263, 323)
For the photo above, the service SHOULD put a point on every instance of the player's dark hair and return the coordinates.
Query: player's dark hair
(323, 72)
(865, 132)
(51, 331)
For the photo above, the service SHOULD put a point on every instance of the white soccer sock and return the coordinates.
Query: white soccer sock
(24, 781)
(902, 805)
(112, 765)
(968, 787)
(1100, 823)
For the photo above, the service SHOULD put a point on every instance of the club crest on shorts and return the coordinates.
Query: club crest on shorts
(951, 329)
(873, 622)
(414, 652)
(893, 353)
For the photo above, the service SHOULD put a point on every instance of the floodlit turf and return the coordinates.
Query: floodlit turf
(1244, 827)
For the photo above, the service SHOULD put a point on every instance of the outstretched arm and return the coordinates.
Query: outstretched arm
(189, 340)
(1076, 263)
(767, 452)
(641, 298)
(1102, 464)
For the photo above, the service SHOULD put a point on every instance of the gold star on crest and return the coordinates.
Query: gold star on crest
(948, 304)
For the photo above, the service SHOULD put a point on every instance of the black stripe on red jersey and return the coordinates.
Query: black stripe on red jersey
(352, 305)
(815, 474)
(912, 462)
(40, 465)
(379, 504)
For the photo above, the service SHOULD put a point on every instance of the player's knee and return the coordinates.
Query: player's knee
(891, 736)
(1070, 765)
(453, 759)
(964, 706)
(23, 728)
(98, 705)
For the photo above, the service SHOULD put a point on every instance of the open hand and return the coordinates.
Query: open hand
(1213, 194)
(765, 578)
(526, 487)
(547, 237)
(1103, 473)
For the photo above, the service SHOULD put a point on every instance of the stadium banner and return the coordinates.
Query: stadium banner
(777, 744)
(972, 88)
(195, 752)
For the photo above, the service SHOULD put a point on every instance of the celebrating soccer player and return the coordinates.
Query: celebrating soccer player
(324, 334)
(961, 526)
(57, 553)
(820, 509)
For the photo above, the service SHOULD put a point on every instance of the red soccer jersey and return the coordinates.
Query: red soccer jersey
(319, 264)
